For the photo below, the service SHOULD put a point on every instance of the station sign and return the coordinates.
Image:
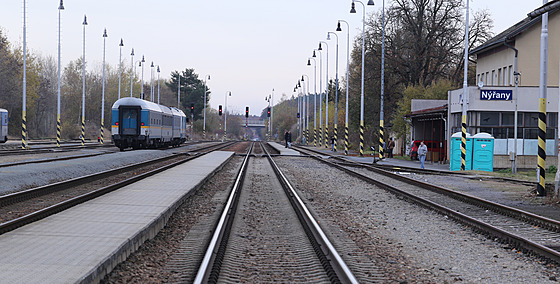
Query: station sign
(496, 95)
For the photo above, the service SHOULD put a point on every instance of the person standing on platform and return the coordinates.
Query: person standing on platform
(286, 138)
(289, 139)
(332, 143)
(391, 147)
(422, 151)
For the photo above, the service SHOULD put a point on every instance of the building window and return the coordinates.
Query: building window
(510, 76)
(531, 119)
(489, 119)
(486, 79)
(499, 82)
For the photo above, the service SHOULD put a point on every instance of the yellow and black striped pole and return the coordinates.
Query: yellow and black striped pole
(464, 97)
(101, 140)
(58, 130)
(463, 141)
(346, 139)
(542, 147)
(83, 137)
(23, 131)
(327, 136)
(361, 138)
(541, 160)
(314, 137)
(381, 141)
(335, 136)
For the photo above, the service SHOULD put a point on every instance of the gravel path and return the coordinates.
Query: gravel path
(414, 244)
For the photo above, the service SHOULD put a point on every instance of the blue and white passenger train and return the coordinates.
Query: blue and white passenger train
(3, 125)
(139, 123)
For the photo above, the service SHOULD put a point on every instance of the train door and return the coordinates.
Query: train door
(130, 120)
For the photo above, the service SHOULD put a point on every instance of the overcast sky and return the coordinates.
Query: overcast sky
(248, 47)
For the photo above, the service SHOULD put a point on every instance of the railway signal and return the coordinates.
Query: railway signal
(192, 108)
(268, 112)
(246, 111)
(220, 110)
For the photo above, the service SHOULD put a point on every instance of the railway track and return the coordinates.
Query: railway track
(259, 238)
(526, 231)
(66, 158)
(23, 207)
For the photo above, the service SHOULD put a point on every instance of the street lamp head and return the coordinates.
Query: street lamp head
(308, 62)
(61, 7)
(105, 33)
(122, 43)
(85, 20)
(320, 48)
(132, 53)
(370, 2)
(328, 36)
(338, 28)
(143, 59)
(158, 69)
(152, 64)
(208, 77)
(314, 52)
(353, 10)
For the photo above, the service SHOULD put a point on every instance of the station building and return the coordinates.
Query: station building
(491, 104)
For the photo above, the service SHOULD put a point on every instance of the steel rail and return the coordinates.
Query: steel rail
(45, 212)
(209, 267)
(493, 231)
(333, 263)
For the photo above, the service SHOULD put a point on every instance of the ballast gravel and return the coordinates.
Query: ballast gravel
(415, 244)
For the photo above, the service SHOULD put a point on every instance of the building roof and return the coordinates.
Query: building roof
(428, 112)
(513, 31)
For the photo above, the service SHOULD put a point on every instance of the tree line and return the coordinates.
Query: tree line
(42, 93)
(424, 58)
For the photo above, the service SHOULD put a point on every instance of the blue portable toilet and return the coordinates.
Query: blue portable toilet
(455, 152)
(483, 152)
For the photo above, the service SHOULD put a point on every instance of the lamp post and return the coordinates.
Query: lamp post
(353, 10)
(158, 84)
(314, 100)
(225, 115)
(336, 93)
(58, 124)
(320, 94)
(268, 126)
(120, 65)
(204, 112)
(306, 109)
(23, 106)
(131, 71)
(327, 97)
(381, 126)
(152, 82)
(103, 89)
(84, 84)
(272, 110)
(142, 85)
(179, 90)
(338, 29)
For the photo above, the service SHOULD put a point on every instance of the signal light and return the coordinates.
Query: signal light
(117, 123)
(220, 110)
(142, 123)
(298, 115)
(192, 108)
(268, 112)
(246, 111)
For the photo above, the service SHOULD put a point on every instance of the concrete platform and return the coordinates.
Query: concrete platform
(283, 150)
(84, 243)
